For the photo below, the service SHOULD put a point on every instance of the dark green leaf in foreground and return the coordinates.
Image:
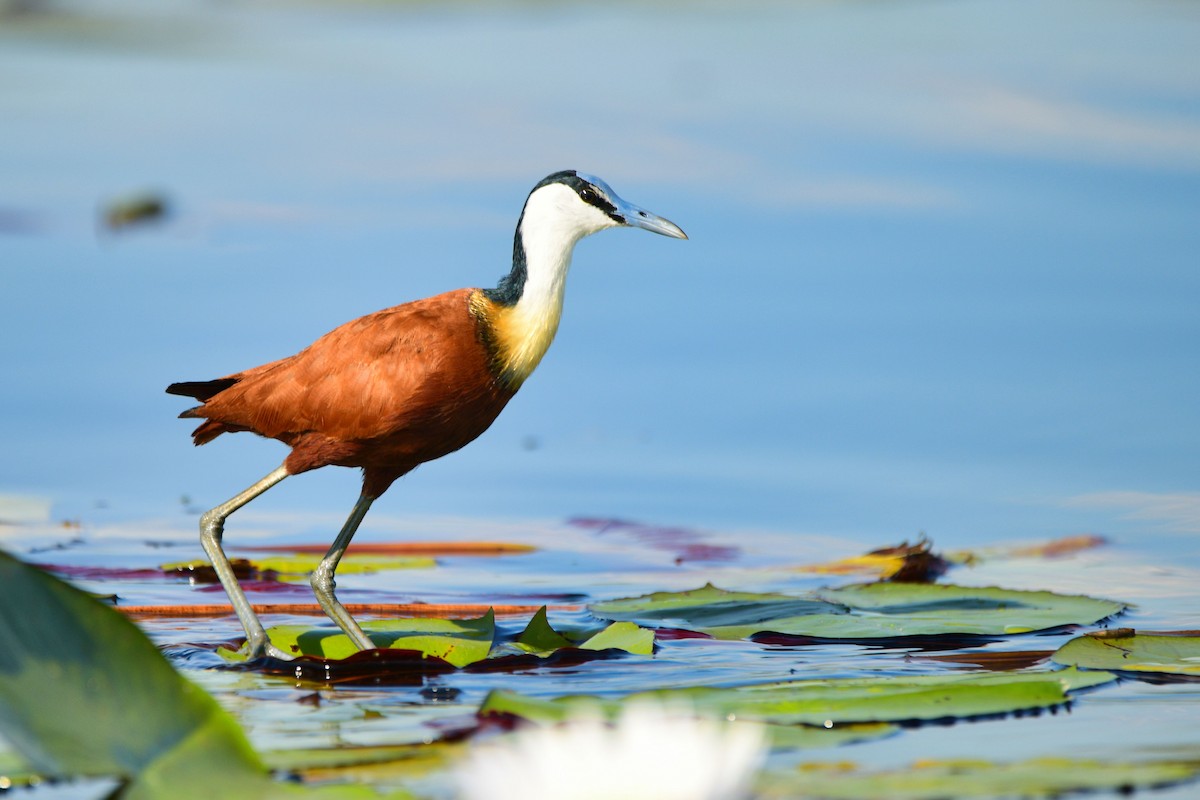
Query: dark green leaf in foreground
(83, 692)
(865, 611)
(1034, 778)
(1128, 651)
(829, 703)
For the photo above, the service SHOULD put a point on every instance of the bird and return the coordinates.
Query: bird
(395, 389)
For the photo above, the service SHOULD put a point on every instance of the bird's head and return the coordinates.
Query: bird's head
(569, 205)
(521, 314)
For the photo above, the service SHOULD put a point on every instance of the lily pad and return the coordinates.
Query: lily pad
(709, 607)
(83, 692)
(1126, 650)
(933, 780)
(622, 636)
(458, 642)
(864, 611)
(830, 703)
(539, 638)
(72, 668)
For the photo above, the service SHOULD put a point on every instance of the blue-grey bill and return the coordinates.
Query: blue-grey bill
(641, 218)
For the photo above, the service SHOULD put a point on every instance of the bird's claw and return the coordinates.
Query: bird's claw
(264, 649)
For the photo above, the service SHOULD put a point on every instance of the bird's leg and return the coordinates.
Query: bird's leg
(212, 527)
(322, 578)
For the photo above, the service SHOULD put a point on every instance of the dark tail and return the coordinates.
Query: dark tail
(201, 390)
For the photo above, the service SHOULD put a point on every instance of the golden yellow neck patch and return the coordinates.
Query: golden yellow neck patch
(516, 336)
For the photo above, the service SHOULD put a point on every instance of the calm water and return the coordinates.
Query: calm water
(942, 277)
(942, 273)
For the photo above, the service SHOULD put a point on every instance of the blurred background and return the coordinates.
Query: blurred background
(942, 273)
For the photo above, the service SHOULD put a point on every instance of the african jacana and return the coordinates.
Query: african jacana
(408, 384)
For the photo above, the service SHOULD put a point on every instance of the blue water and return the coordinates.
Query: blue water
(942, 273)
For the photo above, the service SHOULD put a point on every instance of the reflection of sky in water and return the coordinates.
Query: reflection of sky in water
(942, 273)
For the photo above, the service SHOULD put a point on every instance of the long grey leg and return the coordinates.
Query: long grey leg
(212, 527)
(322, 578)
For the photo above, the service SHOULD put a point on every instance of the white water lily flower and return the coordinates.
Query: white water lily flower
(651, 752)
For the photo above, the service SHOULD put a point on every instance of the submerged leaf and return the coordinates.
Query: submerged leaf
(933, 780)
(1129, 651)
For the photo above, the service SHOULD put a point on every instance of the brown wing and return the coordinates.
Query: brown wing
(366, 380)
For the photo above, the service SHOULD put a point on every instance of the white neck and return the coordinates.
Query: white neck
(553, 222)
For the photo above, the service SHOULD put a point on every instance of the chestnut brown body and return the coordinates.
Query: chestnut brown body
(385, 392)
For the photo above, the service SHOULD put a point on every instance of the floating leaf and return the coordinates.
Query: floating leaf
(458, 642)
(406, 548)
(831, 703)
(622, 636)
(135, 209)
(438, 610)
(997, 661)
(1129, 651)
(539, 637)
(709, 606)
(933, 780)
(298, 566)
(366, 764)
(1054, 548)
(864, 611)
(83, 692)
(969, 609)
(904, 563)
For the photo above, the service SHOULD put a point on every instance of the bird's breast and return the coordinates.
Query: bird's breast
(516, 336)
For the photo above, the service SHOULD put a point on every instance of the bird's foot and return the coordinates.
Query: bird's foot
(264, 649)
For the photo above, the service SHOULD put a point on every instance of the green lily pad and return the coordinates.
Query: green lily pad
(830, 703)
(83, 692)
(867, 611)
(709, 607)
(1032, 778)
(539, 638)
(1128, 651)
(458, 642)
(622, 636)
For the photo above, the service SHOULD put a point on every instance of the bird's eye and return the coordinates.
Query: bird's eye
(588, 196)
